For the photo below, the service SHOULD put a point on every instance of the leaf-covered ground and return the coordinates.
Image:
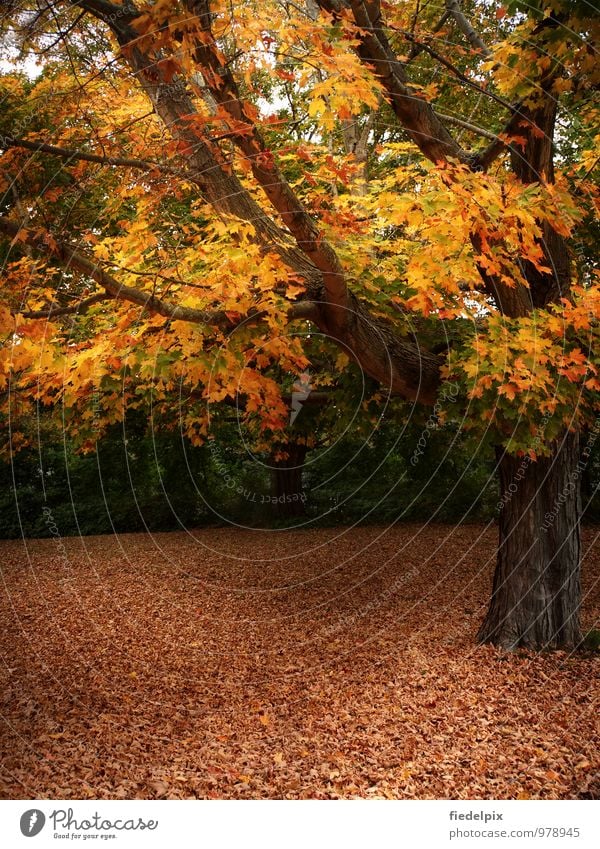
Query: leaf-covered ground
(304, 664)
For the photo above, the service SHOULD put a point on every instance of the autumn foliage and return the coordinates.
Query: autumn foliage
(276, 97)
(346, 669)
(202, 200)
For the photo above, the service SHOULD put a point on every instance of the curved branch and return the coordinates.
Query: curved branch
(208, 168)
(398, 363)
(502, 141)
(422, 123)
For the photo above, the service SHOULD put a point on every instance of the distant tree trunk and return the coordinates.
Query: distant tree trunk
(287, 494)
(536, 592)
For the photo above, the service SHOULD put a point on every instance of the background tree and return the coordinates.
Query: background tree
(189, 230)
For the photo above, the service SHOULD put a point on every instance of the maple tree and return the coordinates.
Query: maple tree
(192, 189)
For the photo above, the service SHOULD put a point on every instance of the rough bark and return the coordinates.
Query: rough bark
(535, 164)
(536, 591)
(401, 365)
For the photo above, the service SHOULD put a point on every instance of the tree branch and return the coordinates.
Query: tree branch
(452, 68)
(465, 26)
(416, 115)
(108, 12)
(473, 128)
(398, 363)
(223, 88)
(208, 168)
(79, 308)
(72, 258)
(489, 154)
(422, 123)
(7, 142)
(416, 49)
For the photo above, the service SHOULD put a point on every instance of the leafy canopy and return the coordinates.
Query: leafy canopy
(157, 161)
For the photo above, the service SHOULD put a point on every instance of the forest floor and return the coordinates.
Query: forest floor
(330, 663)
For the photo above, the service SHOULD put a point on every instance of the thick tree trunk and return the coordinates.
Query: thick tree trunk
(287, 494)
(536, 593)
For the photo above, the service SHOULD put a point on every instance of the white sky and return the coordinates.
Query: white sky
(29, 66)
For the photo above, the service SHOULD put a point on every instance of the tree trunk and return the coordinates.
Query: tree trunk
(287, 494)
(536, 593)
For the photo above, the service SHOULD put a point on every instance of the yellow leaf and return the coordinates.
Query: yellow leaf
(316, 107)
